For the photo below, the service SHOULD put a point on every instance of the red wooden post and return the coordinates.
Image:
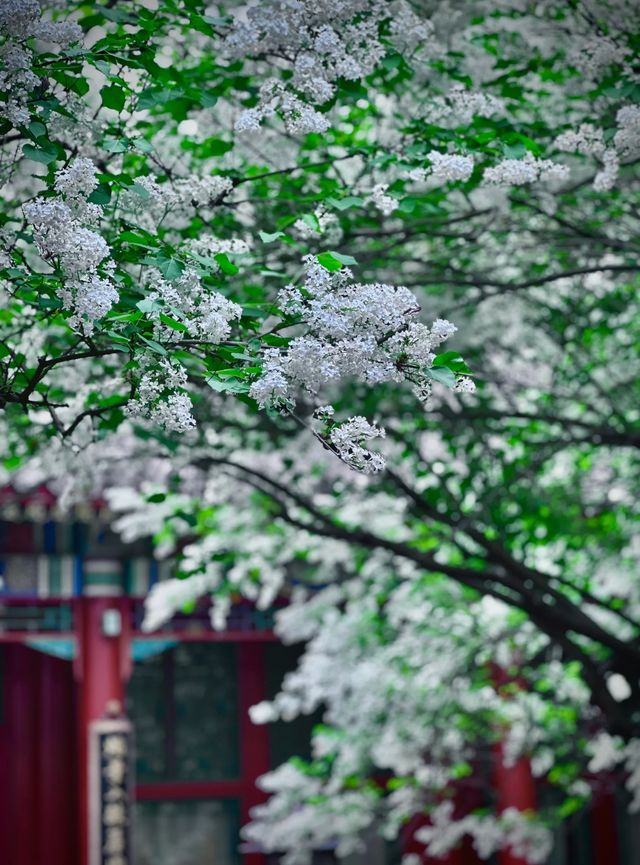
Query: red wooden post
(56, 758)
(515, 788)
(604, 829)
(254, 738)
(21, 779)
(407, 839)
(102, 668)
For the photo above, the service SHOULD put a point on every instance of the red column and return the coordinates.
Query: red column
(254, 739)
(604, 829)
(515, 788)
(21, 774)
(102, 667)
(37, 760)
(57, 835)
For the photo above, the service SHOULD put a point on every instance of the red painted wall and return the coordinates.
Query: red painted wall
(37, 758)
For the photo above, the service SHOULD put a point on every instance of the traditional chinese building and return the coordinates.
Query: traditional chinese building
(104, 728)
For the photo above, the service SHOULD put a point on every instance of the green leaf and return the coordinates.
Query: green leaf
(154, 346)
(102, 66)
(445, 358)
(100, 195)
(173, 323)
(216, 146)
(238, 373)
(226, 265)
(312, 221)
(208, 100)
(169, 267)
(42, 154)
(140, 190)
(334, 260)
(116, 145)
(108, 401)
(118, 15)
(343, 259)
(142, 145)
(514, 151)
(407, 205)
(461, 770)
(76, 83)
(113, 97)
(443, 375)
(149, 98)
(265, 237)
(139, 240)
(452, 360)
(148, 305)
(346, 203)
(228, 385)
(218, 20)
(37, 129)
(327, 260)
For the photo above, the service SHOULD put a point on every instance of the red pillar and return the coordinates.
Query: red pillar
(37, 759)
(604, 829)
(254, 738)
(103, 665)
(21, 774)
(515, 788)
(57, 764)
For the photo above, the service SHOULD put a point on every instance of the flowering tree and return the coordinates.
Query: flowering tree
(230, 243)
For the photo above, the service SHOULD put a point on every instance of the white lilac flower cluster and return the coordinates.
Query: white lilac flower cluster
(75, 183)
(178, 194)
(409, 32)
(347, 440)
(207, 314)
(606, 178)
(517, 172)
(18, 80)
(596, 54)
(160, 397)
(626, 147)
(62, 239)
(393, 703)
(444, 166)
(627, 137)
(386, 204)
(464, 384)
(459, 106)
(322, 40)
(360, 331)
(588, 140)
(607, 752)
(169, 596)
(322, 223)
(299, 117)
(524, 836)
(258, 572)
(286, 824)
(208, 245)
(21, 20)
